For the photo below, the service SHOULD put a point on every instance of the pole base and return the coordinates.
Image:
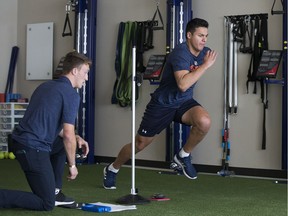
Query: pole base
(225, 173)
(132, 200)
(281, 182)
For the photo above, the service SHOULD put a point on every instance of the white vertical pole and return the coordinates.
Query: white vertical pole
(173, 27)
(181, 40)
(230, 68)
(226, 52)
(133, 192)
(181, 23)
(235, 78)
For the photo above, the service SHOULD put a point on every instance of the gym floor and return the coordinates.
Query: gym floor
(207, 195)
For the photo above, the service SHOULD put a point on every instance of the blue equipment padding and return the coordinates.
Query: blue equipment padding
(96, 208)
(85, 42)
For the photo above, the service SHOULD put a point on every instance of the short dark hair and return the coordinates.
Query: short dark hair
(195, 23)
(74, 60)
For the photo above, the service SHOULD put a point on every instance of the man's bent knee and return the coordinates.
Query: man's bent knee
(203, 124)
(142, 142)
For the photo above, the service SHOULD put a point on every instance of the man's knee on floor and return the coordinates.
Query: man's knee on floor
(48, 205)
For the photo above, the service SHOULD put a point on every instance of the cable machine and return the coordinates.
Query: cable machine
(285, 89)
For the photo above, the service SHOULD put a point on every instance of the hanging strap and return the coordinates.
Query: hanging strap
(264, 98)
(118, 61)
(67, 21)
(257, 48)
(264, 85)
(246, 27)
(148, 44)
(129, 34)
(255, 57)
(153, 20)
(260, 44)
(141, 37)
(277, 12)
(264, 34)
(249, 75)
(124, 86)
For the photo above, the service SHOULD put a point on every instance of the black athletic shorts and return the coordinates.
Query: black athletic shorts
(156, 117)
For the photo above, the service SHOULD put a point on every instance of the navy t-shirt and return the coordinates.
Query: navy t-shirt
(53, 103)
(168, 93)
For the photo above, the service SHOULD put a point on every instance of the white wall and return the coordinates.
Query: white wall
(15, 15)
(8, 32)
(246, 126)
(113, 123)
(41, 11)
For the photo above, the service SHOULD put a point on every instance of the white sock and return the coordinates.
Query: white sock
(57, 190)
(183, 154)
(111, 168)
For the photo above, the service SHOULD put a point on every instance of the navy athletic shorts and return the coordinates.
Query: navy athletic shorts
(156, 117)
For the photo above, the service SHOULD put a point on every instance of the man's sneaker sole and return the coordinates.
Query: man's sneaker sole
(181, 165)
(73, 205)
(57, 203)
(107, 188)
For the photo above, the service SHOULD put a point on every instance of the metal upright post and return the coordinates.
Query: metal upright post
(85, 42)
(285, 89)
(133, 198)
(179, 13)
(90, 85)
